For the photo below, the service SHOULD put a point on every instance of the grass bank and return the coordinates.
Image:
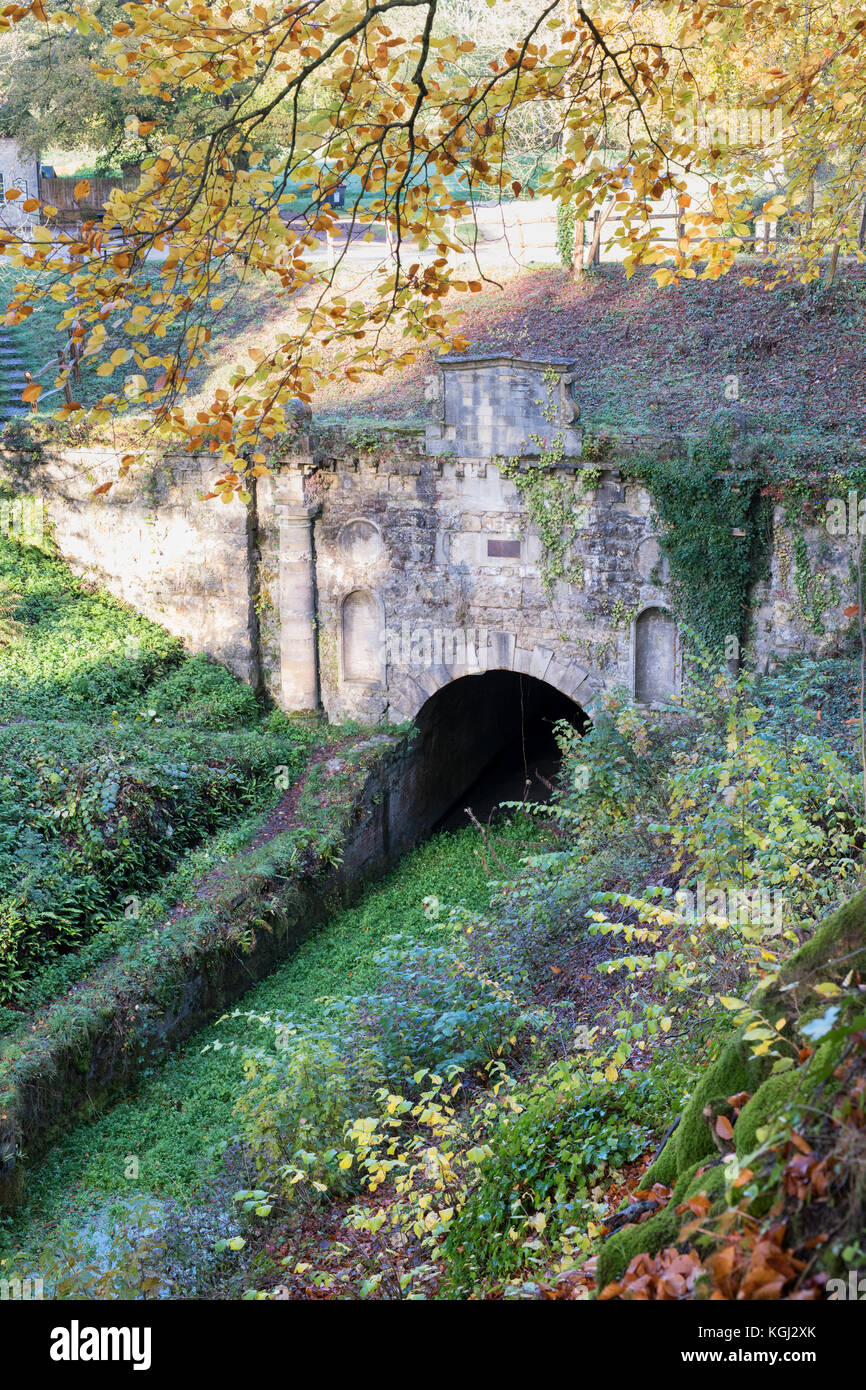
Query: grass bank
(119, 753)
(178, 1121)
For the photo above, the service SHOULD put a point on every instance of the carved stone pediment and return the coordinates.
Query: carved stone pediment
(495, 407)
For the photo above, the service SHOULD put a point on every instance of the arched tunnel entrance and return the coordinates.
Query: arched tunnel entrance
(526, 764)
(485, 739)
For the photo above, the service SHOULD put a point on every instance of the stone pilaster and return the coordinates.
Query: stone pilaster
(299, 666)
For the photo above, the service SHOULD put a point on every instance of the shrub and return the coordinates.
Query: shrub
(613, 775)
(436, 1008)
(298, 1099)
(431, 1011)
(542, 1165)
(203, 693)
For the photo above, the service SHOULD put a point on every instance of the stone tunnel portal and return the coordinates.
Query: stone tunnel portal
(489, 738)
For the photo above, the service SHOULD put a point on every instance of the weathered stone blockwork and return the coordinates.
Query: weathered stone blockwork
(799, 609)
(502, 406)
(366, 578)
(431, 572)
(152, 542)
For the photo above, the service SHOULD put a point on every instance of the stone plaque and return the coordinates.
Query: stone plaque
(504, 550)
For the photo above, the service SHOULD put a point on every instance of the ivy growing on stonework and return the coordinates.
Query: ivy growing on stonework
(715, 534)
(815, 591)
(566, 230)
(549, 503)
(548, 495)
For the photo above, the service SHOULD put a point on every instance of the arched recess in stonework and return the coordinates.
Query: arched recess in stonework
(361, 628)
(656, 656)
(409, 692)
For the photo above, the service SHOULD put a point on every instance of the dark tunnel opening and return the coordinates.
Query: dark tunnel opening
(490, 738)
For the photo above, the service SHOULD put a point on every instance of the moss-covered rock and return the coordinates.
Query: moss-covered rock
(772, 1099)
(664, 1169)
(619, 1251)
(664, 1228)
(836, 947)
(734, 1070)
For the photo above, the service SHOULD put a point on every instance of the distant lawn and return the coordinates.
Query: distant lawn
(249, 305)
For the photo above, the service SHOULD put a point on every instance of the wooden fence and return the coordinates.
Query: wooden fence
(60, 193)
(763, 240)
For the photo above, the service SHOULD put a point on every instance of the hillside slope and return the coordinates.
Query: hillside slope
(665, 359)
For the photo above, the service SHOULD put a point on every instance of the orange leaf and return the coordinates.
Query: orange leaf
(103, 488)
(723, 1262)
(610, 1291)
(699, 1204)
(724, 1128)
(81, 189)
(31, 393)
(852, 610)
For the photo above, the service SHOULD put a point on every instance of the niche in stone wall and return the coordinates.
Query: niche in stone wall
(649, 562)
(655, 652)
(361, 636)
(361, 541)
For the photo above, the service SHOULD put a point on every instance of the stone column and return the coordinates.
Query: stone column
(299, 666)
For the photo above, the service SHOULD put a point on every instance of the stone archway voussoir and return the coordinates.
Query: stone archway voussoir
(541, 659)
